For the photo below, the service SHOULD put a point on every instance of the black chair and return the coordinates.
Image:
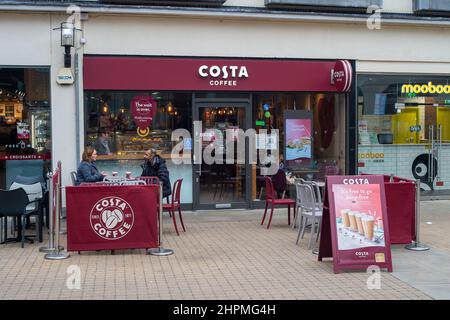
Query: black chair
(14, 204)
(32, 180)
(279, 183)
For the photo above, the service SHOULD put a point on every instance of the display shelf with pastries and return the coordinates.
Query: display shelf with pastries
(129, 146)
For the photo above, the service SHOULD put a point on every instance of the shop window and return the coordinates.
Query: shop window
(403, 125)
(111, 127)
(111, 113)
(324, 5)
(431, 7)
(190, 3)
(25, 124)
(322, 149)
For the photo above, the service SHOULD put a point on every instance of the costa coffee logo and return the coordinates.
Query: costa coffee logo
(223, 73)
(356, 181)
(362, 253)
(112, 218)
(342, 75)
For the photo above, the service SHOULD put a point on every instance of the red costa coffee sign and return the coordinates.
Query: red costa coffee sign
(143, 109)
(342, 75)
(204, 74)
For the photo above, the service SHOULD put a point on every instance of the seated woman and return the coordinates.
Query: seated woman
(87, 171)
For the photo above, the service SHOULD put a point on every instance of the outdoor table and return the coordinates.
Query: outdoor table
(110, 217)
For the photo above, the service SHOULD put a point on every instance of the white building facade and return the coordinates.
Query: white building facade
(392, 43)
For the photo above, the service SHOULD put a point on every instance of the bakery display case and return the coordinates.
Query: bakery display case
(40, 128)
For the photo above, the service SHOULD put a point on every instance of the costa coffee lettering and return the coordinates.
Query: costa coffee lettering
(362, 254)
(224, 72)
(356, 181)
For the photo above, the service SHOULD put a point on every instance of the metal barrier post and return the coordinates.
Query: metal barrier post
(57, 254)
(60, 197)
(51, 231)
(416, 245)
(160, 251)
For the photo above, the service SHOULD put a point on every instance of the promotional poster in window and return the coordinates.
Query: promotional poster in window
(298, 144)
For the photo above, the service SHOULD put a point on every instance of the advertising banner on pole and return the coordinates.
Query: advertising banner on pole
(355, 228)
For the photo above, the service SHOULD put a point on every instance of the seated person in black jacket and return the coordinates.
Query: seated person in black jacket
(87, 171)
(155, 166)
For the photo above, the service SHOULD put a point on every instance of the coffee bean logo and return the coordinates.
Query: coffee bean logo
(112, 218)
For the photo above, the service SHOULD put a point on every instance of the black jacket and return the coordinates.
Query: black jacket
(88, 172)
(158, 169)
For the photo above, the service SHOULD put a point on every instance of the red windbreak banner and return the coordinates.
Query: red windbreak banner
(147, 73)
(111, 217)
(355, 211)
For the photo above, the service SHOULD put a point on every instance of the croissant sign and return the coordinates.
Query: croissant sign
(112, 218)
(342, 76)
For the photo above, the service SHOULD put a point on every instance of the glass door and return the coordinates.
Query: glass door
(220, 180)
(428, 138)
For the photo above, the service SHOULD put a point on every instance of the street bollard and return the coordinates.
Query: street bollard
(160, 251)
(416, 245)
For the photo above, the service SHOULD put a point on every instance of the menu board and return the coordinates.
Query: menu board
(356, 233)
(298, 138)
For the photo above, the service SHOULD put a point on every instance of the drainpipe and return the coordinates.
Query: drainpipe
(77, 108)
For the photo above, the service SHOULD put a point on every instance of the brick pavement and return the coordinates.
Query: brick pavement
(223, 255)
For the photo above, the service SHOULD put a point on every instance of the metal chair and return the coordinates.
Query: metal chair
(14, 204)
(73, 176)
(149, 180)
(308, 210)
(272, 199)
(114, 180)
(132, 183)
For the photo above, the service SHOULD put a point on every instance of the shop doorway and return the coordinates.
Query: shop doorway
(430, 166)
(220, 184)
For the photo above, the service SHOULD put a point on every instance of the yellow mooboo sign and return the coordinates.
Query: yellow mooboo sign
(426, 88)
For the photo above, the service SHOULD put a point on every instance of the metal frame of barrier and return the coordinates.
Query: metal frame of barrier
(56, 251)
(417, 245)
(160, 251)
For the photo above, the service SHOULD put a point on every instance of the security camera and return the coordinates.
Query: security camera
(83, 41)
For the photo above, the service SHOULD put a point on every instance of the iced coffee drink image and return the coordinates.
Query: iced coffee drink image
(352, 218)
(368, 226)
(345, 220)
(359, 223)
